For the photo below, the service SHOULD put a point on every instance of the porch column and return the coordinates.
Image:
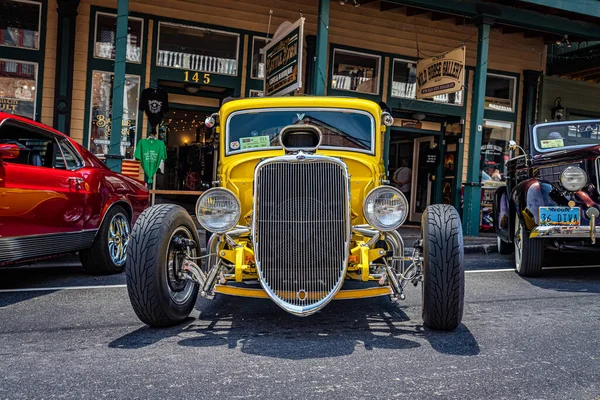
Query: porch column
(530, 92)
(114, 158)
(320, 71)
(65, 49)
(472, 197)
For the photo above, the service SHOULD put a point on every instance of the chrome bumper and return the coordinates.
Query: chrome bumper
(565, 232)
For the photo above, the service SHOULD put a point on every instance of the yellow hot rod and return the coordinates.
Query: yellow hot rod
(300, 208)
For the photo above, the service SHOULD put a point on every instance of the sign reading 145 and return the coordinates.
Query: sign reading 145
(196, 77)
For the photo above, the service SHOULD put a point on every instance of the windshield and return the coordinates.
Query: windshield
(563, 135)
(259, 129)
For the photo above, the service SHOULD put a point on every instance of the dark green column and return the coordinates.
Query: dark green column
(531, 80)
(65, 49)
(114, 158)
(320, 73)
(472, 200)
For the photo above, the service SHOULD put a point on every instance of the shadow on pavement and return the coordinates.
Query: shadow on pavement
(259, 327)
(569, 279)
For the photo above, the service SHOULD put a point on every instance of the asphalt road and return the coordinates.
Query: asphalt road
(520, 338)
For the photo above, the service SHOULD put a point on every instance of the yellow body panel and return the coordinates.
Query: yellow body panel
(341, 295)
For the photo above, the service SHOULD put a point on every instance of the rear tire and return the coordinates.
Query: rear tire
(443, 269)
(159, 298)
(529, 253)
(109, 250)
(504, 247)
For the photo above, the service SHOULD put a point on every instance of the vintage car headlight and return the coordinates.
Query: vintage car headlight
(218, 210)
(385, 208)
(573, 179)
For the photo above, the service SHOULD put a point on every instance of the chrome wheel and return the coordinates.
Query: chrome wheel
(180, 289)
(118, 239)
(518, 240)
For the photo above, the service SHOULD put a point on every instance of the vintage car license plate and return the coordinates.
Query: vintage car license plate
(569, 216)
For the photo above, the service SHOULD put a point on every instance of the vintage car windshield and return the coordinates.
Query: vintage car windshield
(259, 129)
(566, 135)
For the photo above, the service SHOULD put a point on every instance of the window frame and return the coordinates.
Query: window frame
(256, 91)
(219, 31)
(142, 37)
(266, 39)
(513, 105)
(39, 44)
(500, 124)
(37, 73)
(79, 158)
(367, 55)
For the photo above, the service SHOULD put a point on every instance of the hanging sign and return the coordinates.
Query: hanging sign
(283, 59)
(441, 74)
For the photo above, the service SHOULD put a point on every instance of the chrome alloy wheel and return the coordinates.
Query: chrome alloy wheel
(180, 289)
(118, 239)
(518, 240)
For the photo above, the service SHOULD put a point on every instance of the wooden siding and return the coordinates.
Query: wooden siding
(80, 71)
(575, 95)
(47, 106)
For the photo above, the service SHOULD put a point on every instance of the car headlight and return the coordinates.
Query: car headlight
(218, 210)
(573, 179)
(385, 208)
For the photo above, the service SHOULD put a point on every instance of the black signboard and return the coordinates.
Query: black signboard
(283, 60)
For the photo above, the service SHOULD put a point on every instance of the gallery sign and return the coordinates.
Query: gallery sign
(442, 74)
(283, 59)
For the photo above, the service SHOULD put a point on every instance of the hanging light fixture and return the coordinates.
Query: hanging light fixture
(557, 112)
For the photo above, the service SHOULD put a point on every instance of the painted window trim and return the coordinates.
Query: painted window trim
(368, 55)
(252, 55)
(37, 74)
(41, 35)
(394, 59)
(514, 96)
(230, 33)
(142, 41)
(255, 91)
(89, 113)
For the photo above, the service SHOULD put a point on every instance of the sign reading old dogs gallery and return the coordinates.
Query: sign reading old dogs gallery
(442, 74)
(283, 59)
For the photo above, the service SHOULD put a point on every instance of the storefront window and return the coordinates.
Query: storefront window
(18, 85)
(404, 84)
(494, 149)
(256, 93)
(500, 93)
(258, 64)
(197, 49)
(355, 72)
(106, 32)
(20, 24)
(101, 113)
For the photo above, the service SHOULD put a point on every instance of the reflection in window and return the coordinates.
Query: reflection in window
(494, 149)
(20, 24)
(101, 113)
(499, 93)
(404, 84)
(35, 149)
(355, 72)
(18, 88)
(106, 31)
(197, 49)
(258, 63)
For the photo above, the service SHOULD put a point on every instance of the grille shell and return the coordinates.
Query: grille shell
(301, 229)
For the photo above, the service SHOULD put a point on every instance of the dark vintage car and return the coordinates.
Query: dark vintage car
(552, 199)
(56, 198)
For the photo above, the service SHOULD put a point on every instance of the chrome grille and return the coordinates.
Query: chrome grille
(301, 230)
(552, 174)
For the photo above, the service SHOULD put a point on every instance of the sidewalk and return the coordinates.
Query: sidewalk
(485, 243)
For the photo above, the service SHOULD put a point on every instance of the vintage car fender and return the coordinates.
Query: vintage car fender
(502, 214)
(527, 198)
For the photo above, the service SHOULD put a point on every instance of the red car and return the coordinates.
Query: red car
(57, 198)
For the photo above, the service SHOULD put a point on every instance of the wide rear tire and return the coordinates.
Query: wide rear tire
(157, 297)
(443, 269)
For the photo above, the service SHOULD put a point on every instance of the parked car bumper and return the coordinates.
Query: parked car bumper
(564, 232)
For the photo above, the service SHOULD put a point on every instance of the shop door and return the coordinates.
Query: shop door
(420, 194)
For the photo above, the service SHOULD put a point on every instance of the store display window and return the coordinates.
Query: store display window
(18, 86)
(500, 92)
(258, 63)
(106, 32)
(197, 49)
(404, 84)
(494, 149)
(101, 113)
(20, 22)
(355, 72)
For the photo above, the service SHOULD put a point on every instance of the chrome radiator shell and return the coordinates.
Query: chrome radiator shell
(301, 229)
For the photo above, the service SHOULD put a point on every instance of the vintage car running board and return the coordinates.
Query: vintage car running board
(341, 295)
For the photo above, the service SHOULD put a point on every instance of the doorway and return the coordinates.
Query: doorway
(421, 184)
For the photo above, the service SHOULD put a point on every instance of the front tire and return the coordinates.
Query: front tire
(158, 296)
(529, 253)
(443, 269)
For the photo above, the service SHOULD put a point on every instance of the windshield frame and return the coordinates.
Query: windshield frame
(534, 137)
(300, 109)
